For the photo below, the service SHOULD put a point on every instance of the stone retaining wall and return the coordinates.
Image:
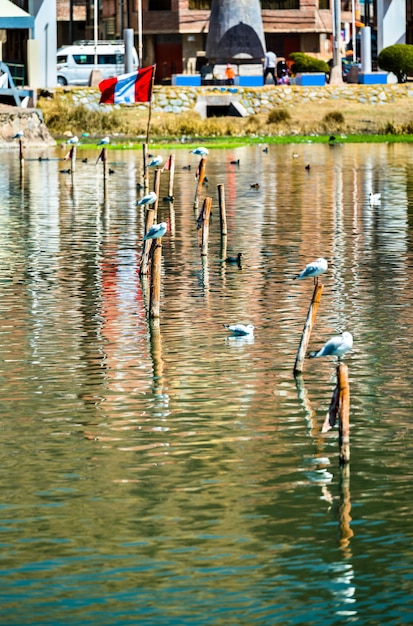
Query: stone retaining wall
(255, 100)
(30, 121)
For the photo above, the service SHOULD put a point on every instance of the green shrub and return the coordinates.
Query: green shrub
(334, 117)
(397, 59)
(306, 63)
(278, 115)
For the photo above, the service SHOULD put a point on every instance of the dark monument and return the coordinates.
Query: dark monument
(236, 34)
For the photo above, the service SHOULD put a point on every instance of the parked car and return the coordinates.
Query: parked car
(75, 62)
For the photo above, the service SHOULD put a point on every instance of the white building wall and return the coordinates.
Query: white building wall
(391, 23)
(45, 35)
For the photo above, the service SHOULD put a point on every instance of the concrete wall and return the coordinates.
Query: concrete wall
(391, 23)
(45, 34)
(30, 121)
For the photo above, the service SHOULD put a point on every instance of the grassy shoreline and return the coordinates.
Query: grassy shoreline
(350, 121)
(236, 142)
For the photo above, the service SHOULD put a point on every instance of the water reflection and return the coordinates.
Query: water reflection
(164, 471)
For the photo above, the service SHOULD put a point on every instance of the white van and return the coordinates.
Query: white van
(75, 62)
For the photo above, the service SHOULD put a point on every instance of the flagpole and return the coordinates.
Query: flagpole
(140, 46)
(95, 34)
(150, 105)
(353, 30)
(145, 147)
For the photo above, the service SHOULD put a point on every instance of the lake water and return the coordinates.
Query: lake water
(168, 473)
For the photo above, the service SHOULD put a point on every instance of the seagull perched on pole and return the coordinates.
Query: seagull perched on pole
(200, 151)
(240, 330)
(73, 140)
(156, 231)
(156, 161)
(104, 141)
(314, 269)
(150, 198)
(336, 346)
(18, 135)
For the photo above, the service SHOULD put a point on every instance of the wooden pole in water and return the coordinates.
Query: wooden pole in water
(223, 252)
(104, 159)
(147, 244)
(203, 224)
(156, 354)
(343, 414)
(340, 408)
(145, 291)
(21, 149)
(156, 187)
(201, 176)
(155, 290)
(73, 158)
(171, 177)
(145, 168)
(222, 211)
(344, 511)
(308, 326)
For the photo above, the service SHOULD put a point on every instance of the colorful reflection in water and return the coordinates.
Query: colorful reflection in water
(166, 472)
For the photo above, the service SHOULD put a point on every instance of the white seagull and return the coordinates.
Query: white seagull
(156, 231)
(156, 161)
(73, 140)
(314, 269)
(201, 151)
(18, 135)
(336, 346)
(104, 141)
(375, 198)
(240, 329)
(150, 198)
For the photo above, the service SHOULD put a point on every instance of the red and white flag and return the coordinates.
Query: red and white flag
(128, 88)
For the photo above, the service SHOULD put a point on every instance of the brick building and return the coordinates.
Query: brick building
(174, 31)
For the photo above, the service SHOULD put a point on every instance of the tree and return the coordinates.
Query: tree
(397, 59)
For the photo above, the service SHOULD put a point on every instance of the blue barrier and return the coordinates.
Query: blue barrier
(311, 79)
(372, 78)
(250, 81)
(186, 80)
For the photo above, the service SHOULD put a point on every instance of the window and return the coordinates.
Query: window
(62, 59)
(199, 5)
(323, 4)
(110, 59)
(83, 59)
(159, 5)
(280, 5)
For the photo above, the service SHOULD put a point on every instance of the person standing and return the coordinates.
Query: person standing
(230, 74)
(270, 63)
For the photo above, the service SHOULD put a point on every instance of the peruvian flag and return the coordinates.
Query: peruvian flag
(128, 88)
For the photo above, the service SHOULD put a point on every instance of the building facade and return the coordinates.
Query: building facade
(174, 32)
(33, 48)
